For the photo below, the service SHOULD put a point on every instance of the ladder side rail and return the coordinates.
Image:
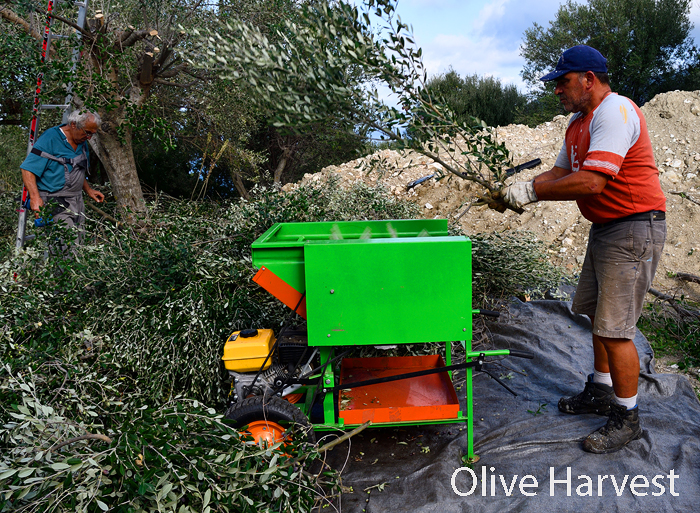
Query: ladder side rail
(45, 48)
(34, 124)
(37, 107)
(75, 57)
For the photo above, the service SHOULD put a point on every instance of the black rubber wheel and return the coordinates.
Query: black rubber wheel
(272, 409)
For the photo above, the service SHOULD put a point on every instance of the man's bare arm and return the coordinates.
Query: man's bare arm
(35, 201)
(570, 186)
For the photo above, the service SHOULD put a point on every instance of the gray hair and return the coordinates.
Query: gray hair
(80, 117)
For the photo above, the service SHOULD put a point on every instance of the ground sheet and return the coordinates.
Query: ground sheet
(528, 449)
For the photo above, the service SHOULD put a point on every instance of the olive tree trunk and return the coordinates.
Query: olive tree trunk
(117, 157)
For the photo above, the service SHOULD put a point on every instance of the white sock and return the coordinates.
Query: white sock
(602, 377)
(628, 402)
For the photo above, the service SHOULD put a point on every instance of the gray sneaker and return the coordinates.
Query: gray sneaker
(622, 427)
(595, 398)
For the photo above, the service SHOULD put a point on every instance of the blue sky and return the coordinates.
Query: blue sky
(482, 36)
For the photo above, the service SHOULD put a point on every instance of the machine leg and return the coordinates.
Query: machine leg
(472, 458)
(326, 354)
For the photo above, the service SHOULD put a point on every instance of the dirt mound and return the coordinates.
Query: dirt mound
(673, 120)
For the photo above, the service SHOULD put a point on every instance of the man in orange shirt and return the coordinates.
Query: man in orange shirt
(607, 165)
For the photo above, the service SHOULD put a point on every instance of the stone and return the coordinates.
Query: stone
(671, 176)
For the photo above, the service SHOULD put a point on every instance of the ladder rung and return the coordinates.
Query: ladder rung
(59, 36)
(48, 107)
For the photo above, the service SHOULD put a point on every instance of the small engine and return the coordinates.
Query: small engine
(249, 353)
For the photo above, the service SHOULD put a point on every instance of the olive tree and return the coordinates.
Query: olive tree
(647, 43)
(130, 55)
(330, 60)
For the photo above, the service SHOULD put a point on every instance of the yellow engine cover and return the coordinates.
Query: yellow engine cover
(247, 354)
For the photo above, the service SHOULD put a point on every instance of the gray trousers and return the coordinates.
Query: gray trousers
(69, 207)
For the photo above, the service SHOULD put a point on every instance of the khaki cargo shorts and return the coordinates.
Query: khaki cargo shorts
(618, 270)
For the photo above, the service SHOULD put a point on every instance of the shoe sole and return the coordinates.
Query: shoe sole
(608, 451)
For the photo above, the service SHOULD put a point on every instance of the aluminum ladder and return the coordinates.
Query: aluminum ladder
(38, 106)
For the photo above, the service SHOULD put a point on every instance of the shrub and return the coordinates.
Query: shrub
(110, 375)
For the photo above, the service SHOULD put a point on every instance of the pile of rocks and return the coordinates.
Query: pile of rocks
(673, 120)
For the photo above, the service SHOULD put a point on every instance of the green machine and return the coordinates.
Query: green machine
(358, 283)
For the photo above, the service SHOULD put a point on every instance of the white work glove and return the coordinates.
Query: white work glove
(520, 194)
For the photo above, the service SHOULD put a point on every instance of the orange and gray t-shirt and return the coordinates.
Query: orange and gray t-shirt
(613, 140)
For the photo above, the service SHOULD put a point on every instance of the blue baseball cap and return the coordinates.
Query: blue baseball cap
(578, 58)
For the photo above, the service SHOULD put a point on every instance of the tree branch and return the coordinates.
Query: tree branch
(15, 19)
(133, 38)
(330, 445)
(89, 436)
(146, 76)
(103, 214)
(173, 72)
(688, 277)
(684, 312)
(193, 74)
(72, 24)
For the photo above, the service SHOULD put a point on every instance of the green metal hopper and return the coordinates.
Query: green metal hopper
(377, 283)
(374, 282)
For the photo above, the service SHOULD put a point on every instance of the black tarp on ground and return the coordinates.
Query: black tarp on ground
(410, 469)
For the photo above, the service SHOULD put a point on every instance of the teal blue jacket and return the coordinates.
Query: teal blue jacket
(50, 175)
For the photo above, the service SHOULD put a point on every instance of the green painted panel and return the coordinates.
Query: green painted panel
(281, 248)
(388, 291)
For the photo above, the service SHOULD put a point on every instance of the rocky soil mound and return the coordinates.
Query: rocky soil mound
(673, 120)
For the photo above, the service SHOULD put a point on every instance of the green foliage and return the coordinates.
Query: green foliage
(293, 153)
(542, 106)
(20, 54)
(673, 334)
(123, 338)
(13, 146)
(161, 306)
(320, 66)
(647, 43)
(110, 358)
(75, 439)
(484, 98)
(508, 263)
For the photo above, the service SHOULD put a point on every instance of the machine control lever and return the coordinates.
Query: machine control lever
(522, 354)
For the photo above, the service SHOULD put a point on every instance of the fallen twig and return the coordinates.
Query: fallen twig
(379, 487)
(89, 436)
(103, 213)
(685, 196)
(674, 303)
(332, 444)
(346, 436)
(688, 277)
(465, 211)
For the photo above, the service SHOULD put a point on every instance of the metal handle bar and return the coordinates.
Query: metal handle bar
(522, 354)
(489, 313)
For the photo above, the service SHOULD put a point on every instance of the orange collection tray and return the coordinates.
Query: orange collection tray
(423, 398)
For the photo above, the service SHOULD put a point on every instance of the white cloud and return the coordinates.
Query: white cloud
(483, 56)
(491, 14)
(695, 20)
